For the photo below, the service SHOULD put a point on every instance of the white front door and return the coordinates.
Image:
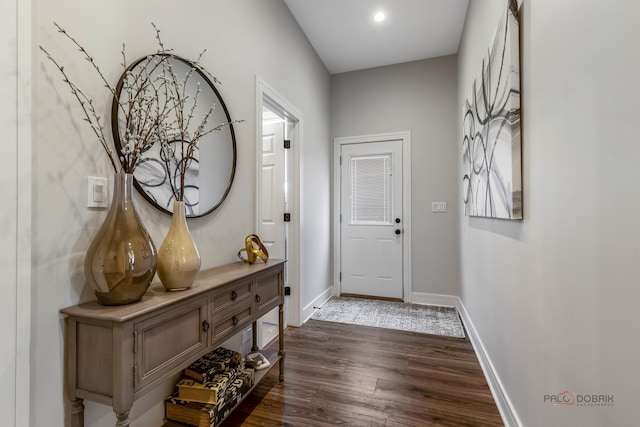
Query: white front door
(371, 226)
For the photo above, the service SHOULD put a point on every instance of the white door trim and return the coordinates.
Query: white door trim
(17, 24)
(276, 102)
(406, 203)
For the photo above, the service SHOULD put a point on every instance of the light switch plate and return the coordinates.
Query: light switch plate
(438, 207)
(97, 192)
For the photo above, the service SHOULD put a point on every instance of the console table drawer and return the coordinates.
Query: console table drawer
(164, 341)
(234, 321)
(268, 292)
(231, 294)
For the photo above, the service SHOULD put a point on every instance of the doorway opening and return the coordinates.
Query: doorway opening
(278, 131)
(372, 216)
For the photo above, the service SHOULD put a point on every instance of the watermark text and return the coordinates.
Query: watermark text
(568, 398)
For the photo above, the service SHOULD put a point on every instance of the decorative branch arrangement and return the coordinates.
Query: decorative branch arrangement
(145, 114)
(181, 135)
(155, 106)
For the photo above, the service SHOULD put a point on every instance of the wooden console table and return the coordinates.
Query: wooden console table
(115, 354)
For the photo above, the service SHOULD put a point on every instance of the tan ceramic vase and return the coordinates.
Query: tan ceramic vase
(121, 260)
(178, 257)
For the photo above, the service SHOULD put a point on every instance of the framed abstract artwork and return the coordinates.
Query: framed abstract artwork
(492, 146)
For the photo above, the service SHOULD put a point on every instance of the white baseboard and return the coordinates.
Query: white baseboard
(507, 411)
(309, 310)
(435, 299)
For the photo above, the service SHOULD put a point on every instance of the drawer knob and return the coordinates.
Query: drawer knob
(205, 325)
(257, 298)
(234, 295)
(235, 321)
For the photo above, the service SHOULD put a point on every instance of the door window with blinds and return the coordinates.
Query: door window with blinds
(371, 198)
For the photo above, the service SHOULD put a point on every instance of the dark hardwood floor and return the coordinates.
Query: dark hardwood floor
(348, 375)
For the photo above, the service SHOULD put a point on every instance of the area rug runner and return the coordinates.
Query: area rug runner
(427, 319)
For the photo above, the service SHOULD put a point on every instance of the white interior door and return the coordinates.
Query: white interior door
(371, 226)
(272, 230)
(272, 107)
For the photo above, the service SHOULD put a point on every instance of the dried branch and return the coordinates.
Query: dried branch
(143, 114)
(183, 132)
(154, 106)
(90, 113)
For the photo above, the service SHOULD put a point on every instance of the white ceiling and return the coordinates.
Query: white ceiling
(346, 37)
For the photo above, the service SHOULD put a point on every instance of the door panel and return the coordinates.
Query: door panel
(371, 205)
(384, 252)
(357, 257)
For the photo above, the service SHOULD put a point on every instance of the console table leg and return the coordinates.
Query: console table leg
(254, 336)
(281, 339)
(77, 413)
(123, 419)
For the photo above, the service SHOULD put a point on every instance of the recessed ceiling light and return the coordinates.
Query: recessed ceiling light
(379, 17)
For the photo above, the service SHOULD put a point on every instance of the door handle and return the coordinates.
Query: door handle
(398, 231)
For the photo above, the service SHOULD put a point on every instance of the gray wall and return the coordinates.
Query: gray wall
(419, 97)
(243, 38)
(553, 298)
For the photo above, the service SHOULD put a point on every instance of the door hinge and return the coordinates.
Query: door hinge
(135, 375)
(287, 217)
(340, 160)
(287, 143)
(341, 276)
(135, 342)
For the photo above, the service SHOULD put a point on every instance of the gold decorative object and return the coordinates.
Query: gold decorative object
(178, 257)
(254, 249)
(121, 260)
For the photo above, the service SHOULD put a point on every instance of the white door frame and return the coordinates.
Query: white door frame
(16, 107)
(405, 137)
(264, 93)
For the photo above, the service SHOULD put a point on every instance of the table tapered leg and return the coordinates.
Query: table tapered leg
(281, 339)
(123, 419)
(77, 413)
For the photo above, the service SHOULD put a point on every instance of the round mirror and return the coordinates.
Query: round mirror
(212, 167)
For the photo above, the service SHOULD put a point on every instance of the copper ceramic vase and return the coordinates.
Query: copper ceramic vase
(178, 257)
(121, 260)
